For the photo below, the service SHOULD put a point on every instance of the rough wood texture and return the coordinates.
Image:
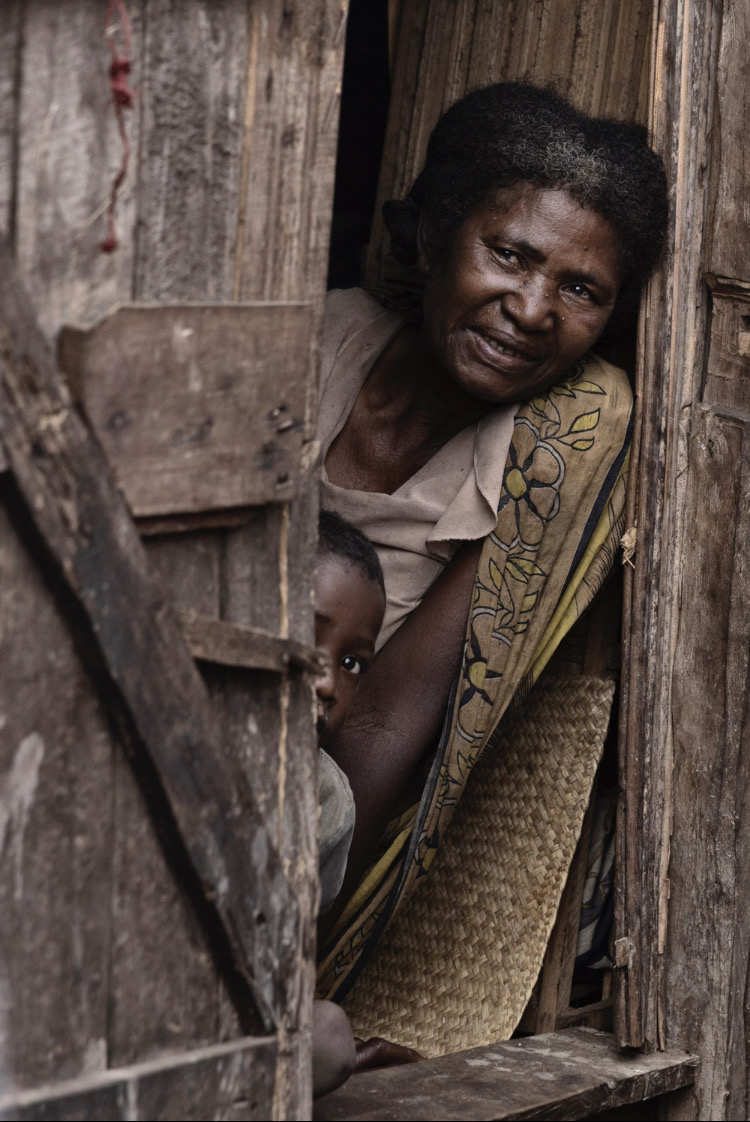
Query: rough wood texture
(707, 919)
(683, 923)
(68, 153)
(228, 197)
(56, 849)
(228, 1081)
(199, 408)
(193, 68)
(596, 51)
(726, 381)
(669, 374)
(206, 811)
(563, 1075)
(10, 53)
(230, 644)
(708, 915)
(728, 228)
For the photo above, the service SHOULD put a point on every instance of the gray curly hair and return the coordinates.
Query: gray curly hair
(512, 132)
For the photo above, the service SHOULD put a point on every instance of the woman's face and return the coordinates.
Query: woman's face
(523, 290)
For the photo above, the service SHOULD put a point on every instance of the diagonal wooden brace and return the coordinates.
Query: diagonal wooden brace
(211, 825)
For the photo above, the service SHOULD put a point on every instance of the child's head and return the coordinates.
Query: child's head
(349, 608)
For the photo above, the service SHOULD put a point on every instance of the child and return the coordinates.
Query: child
(349, 607)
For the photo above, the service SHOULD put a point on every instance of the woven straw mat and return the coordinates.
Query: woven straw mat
(456, 967)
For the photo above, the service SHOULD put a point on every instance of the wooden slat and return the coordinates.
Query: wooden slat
(10, 54)
(199, 408)
(207, 812)
(231, 644)
(291, 120)
(56, 849)
(193, 64)
(563, 1075)
(228, 1081)
(669, 376)
(69, 151)
(728, 226)
(709, 921)
(727, 381)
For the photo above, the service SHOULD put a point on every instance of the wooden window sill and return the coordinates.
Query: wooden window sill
(569, 1074)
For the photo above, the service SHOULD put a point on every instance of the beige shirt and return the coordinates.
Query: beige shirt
(452, 499)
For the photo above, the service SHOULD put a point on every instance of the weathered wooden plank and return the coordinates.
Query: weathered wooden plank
(11, 17)
(727, 379)
(291, 123)
(194, 63)
(68, 156)
(669, 375)
(228, 1081)
(595, 51)
(291, 117)
(231, 644)
(267, 581)
(562, 1075)
(157, 694)
(729, 215)
(199, 408)
(164, 992)
(56, 761)
(707, 946)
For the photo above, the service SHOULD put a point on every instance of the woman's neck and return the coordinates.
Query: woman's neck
(406, 411)
(411, 387)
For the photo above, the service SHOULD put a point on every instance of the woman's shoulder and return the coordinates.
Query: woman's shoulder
(348, 312)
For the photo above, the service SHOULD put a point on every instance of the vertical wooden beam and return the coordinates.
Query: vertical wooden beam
(670, 365)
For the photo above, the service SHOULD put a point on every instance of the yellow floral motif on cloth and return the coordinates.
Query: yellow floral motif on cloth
(560, 517)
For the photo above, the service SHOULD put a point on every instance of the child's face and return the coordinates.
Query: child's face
(348, 613)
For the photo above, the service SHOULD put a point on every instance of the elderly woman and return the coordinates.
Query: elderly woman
(482, 450)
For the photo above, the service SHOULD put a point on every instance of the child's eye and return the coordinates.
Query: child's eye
(353, 664)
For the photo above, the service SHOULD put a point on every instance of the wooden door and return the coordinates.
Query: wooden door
(134, 977)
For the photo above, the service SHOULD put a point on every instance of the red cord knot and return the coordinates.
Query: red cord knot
(118, 81)
(122, 99)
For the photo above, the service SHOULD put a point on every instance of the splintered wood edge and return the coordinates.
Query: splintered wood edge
(233, 644)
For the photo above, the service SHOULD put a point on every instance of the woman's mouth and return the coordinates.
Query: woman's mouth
(497, 345)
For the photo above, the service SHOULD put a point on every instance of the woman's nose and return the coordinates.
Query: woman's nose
(531, 304)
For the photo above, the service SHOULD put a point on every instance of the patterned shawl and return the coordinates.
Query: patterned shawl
(559, 524)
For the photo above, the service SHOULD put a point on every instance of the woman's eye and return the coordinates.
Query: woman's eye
(582, 291)
(353, 664)
(509, 256)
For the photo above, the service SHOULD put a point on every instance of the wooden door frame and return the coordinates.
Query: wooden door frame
(671, 355)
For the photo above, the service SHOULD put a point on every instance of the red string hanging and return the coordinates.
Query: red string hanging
(122, 98)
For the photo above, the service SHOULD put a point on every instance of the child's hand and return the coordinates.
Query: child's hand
(377, 1052)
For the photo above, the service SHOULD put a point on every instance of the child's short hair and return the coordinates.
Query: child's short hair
(340, 538)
